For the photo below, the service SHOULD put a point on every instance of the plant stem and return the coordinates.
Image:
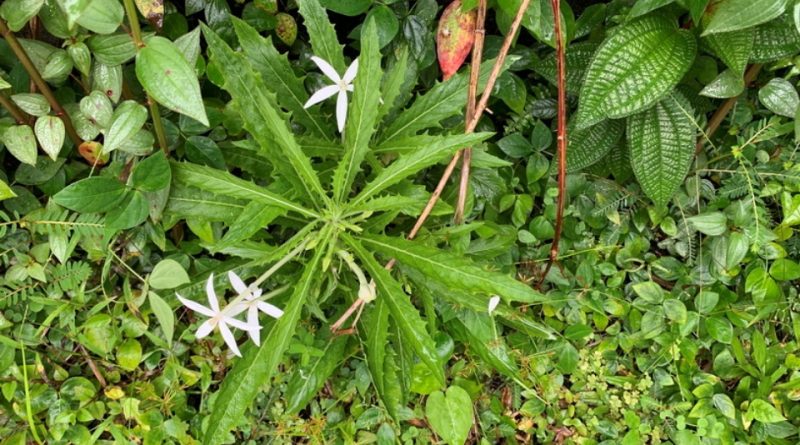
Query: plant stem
(561, 137)
(19, 51)
(155, 114)
(722, 112)
(474, 74)
(20, 116)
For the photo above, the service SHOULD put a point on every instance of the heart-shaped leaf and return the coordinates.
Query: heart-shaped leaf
(450, 414)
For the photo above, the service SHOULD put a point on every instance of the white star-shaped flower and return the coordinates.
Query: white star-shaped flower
(252, 303)
(218, 318)
(341, 85)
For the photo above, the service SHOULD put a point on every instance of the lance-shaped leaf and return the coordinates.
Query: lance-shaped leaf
(393, 83)
(444, 100)
(662, 142)
(250, 373)
(363, 113)
(224, 183)
(734, 15)
(306, 381)
(410, 163)
(589, 145)
(634, 68)
(404, 315)
(321, 33)
(258, 108)
(277, 73)
(255, 216)
(167, 77)
(375, 325)
(455, 271)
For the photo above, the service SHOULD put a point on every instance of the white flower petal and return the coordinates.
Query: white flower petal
(227, 335)
(351, 72)
(254, 328)
(321, 94)
(350, 88)
(197, 307)
(493, 302)
(213, 303)
(326, 69)
(341, 110)
(236, 282)
(238, 324)
(272, 311)
(233, 310)
(205, 328)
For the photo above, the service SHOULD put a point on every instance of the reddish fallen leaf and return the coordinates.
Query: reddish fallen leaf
(454, 38)
(286, 29)
(93, 153)
(153, 11)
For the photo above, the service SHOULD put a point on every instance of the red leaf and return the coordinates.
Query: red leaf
(454, 38)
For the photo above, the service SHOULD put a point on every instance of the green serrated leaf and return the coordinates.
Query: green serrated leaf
(404, 315)
(250, 373)
(255, 216)
(635, 68)
(224, 183)
(323, 38)
(306, 381)
(454, 271)
(734, 15)
(589, 145)
(276, 71)
(259, 110)
(661, 142)
(375, 325)
(733, 48)
(167, 77)
(362, 114)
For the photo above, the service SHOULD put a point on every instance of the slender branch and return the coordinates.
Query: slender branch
(722, 112)
(155, 113)
(561, 138)
(19, 51)
(474, 74)
(20, 116)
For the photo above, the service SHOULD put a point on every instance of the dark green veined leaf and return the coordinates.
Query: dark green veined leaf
(91, 195)
(661, 142)
(642, 7)
(734, 15)
(306, 381)
(254, 217)
(780, 97)
(362, 113)
(258, 108)
(413, 162)
(443, 100)
(733, 48)
(578, 59)
(455, 271)
(775, 40)
(323, 38)
(167, 77)
(277, 73)
(634, 68)
(404, 315)
(590, 145)
(249, 374)
(224, 183)
(727, 84)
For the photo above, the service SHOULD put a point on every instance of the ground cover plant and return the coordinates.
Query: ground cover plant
(328, 221)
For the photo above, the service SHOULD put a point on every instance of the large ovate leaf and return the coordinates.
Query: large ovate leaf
(733, 48)
(167, 77)
(224, 183)
(589, 145)
(321, 33)
(635, 68)
(16, 13)
(277, 73)
(450, 414)
(734, 15)
(780, 97)
(96, 194)
(404, 315)
(661, 142)
(362, 114)
(21, 143)
(410, 163)
(259, 111)
(452, 270)
(249, 374)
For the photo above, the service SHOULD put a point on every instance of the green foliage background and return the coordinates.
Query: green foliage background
(671, 316)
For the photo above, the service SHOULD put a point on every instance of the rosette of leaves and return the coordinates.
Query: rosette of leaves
(335, 195)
